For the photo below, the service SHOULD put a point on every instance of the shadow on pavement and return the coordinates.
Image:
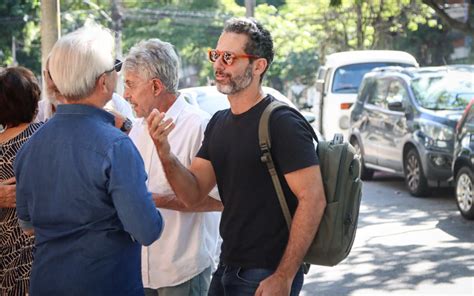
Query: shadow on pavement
(391, 269)
(463, 229)
(393, 251)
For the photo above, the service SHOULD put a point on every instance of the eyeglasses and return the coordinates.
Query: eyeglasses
(117, 66)
(227, 57)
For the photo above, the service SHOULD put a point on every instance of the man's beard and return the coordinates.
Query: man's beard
(236, 84)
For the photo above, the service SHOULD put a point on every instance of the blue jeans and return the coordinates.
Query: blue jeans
(236, 281)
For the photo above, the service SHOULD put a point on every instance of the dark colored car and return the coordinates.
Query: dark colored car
(404, 121)
(463, 165)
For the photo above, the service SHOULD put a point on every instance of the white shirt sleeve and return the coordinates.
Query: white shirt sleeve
(120, 105)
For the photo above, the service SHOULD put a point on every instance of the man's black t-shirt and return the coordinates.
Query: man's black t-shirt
(253, 228)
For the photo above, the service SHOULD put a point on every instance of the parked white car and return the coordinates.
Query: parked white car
(338, 82)
(209, 99)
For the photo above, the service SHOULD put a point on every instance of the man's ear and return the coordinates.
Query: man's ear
(260, 66)
(102, 82)
(158, 86)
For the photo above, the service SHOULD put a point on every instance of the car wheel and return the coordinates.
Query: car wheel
(365, 173)
(464, 192)
(414, 176)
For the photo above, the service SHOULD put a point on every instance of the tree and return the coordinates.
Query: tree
(276, 3)
(373, 24)
(296, 59)
(18, 20)
(305, 31)
(464, 25)
(191, 26)
(428, 44)
(21, 19)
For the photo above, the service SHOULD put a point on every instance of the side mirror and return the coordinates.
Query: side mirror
(306, 106)
(396, 106)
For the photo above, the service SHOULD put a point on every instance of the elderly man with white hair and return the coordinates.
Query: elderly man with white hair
(81, 183)
(180, 262)
(47, 106)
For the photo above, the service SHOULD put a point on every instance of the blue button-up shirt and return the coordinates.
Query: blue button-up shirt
(81, 185)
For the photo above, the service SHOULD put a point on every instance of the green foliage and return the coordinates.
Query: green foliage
(303, 31)
(296, 57)
(76, 13)
(191, 26)
(19, 19)
(276, 3)
(465, 25)
(182, 4)
(428, 44)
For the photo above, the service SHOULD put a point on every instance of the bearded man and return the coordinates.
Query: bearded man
(259, 256)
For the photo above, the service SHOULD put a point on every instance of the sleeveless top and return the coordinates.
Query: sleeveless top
(16, 248)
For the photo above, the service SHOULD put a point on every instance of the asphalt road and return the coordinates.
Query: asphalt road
(404, 246)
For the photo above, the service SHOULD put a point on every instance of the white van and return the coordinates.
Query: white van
(338, 82)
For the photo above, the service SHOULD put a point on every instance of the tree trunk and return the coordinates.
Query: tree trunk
(50, 30)
(360, 33)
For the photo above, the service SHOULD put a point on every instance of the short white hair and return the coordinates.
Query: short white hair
(154, 58)
(79, 58)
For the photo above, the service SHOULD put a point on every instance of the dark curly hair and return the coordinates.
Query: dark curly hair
(19, 96)
(260, 42)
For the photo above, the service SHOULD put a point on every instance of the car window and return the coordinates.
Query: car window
(347, 79)
(396, 92)
(379, 93)
(450, 90)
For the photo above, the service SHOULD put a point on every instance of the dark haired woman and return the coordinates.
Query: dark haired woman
(19, 95)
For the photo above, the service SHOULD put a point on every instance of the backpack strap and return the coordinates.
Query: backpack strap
(265, 144)
(264, 140)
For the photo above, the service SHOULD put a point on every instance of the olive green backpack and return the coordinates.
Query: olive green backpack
(340, 172)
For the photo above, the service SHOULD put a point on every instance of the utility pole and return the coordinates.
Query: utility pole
(50, 31)
(249, 8)
(50, 27)
(14, 62)
(117, 25)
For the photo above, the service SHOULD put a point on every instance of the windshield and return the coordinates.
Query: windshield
(450, 90)
(348, 78)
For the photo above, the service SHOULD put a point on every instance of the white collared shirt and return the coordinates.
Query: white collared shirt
(189, 240)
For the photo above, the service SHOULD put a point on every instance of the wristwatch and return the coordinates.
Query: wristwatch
(127, 125)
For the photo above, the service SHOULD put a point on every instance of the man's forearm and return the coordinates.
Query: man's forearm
(170, 202)
(304, 226)
(182, 181)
